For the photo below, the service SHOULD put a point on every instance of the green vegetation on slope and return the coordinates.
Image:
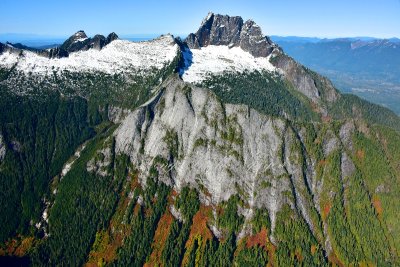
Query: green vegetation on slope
(40, 135)
(265, 92)
(349, 106)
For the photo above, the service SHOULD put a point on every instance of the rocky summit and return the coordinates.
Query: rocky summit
(233, 32)
(219, 150)
(80, 42)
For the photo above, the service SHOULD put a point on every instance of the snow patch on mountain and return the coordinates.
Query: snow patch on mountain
(80, 40)
(214, 60)
(67, 167)
(118, 56)
(2, 149)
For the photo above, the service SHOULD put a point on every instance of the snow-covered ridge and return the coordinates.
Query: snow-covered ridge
(201, 63)
(118, 56)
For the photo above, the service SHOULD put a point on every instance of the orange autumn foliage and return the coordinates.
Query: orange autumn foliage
(199, 228)
(136, 209)
(360, 154)
(259, 239)
(298, 255)
(313, 249)
(335, 260)
(326, 210)
(322, 163)
(110, 239)
(135, 181)
(18, 246)
(377, 205)
(160, 237)
(108, 249)
(326, 119)
(199, 225)
(24, 247)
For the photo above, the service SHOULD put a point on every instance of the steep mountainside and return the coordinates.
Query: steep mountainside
(367, 68)
(218, 150)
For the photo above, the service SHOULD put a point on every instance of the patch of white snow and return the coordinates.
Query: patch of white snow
(80, 40)
(2, 148)
(219, 59)
(68, 165)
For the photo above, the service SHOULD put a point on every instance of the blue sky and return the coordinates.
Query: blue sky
(321, 18)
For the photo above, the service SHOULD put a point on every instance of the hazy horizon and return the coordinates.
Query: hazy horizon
(309, 18)
(37, 40)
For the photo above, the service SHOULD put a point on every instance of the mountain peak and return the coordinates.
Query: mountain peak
(111, 37)
(209, 16)
(79, 34)
(75, 42)
(217, 29)
(80, 41)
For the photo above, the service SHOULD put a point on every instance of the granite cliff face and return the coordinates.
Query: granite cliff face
(224, 150)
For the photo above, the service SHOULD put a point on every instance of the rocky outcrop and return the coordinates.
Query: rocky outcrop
(347, 166)
(330, 143)
(97, 42)
(233, 32)
(111, 37)
(116, 114)
(253, 41)
(346, 134)
(53, 53)
(80, 42)
(298, 76)
(100, 164)
(192, 41)
(312, 85)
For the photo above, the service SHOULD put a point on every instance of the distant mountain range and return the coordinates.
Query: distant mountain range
(368, 67)
(303, 39)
